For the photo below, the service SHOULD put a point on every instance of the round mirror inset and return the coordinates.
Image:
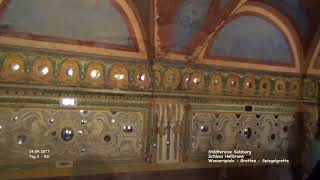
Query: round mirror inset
(119, 76)
(15, 118)
(70, 72)
(216, 82)
(168, 142)
(14, 67)
(204, 128)
(248, 84)
(113, 120)
(141, 77)
(247, 133)
(127, 129)
(83, 121)
(21, 139)
(196, 80)
(51, 120)
(187, 79)
(43, 70)
(273, 136)
(233, 83)
(95, 74)
(219, 137)
(66, 134)
(107, 138)
(83, 112)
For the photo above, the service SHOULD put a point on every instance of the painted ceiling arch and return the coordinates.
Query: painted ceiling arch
(182, 24)
(314, 56)
(251, 38)
(189, 18)
(179, 29)
(97, 24)
(290, 59)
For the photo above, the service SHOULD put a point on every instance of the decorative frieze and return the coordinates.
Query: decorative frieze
(39, 69)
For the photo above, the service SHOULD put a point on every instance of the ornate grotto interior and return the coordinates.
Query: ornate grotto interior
(141, 89)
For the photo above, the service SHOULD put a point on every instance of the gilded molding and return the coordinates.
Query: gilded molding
(95, 74)
(42, 70)
(265, 86)
(119, 76)
(280, 87)
(216, 83)
(69, 73)
(142, 77)
(196, 82)
(51, 70)
(249, 85)
(233, 84)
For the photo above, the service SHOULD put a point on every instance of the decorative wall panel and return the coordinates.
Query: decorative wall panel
(262, 130)
(71, 135)
(136, 115)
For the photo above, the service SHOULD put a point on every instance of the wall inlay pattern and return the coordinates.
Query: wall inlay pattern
(258, 132)
(72, 135)
(138, 113)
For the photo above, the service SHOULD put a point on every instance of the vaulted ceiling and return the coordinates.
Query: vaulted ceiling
(263, 35)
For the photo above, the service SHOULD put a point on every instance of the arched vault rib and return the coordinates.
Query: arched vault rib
(313, 56)
(135, 21)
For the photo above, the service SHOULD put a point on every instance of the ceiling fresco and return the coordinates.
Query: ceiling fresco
(187, 31)
(99, 27)
(223, 3)
(251, 38)
(188, 20)
(94, 21)
(294, 10)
